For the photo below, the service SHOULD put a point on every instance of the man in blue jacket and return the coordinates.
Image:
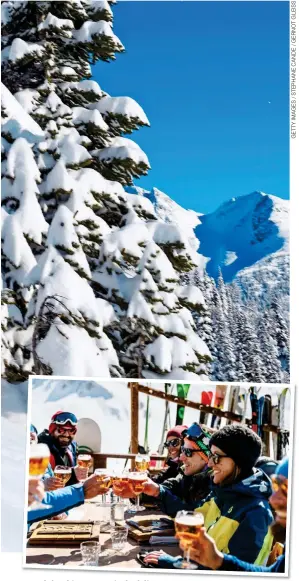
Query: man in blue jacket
(62, 499)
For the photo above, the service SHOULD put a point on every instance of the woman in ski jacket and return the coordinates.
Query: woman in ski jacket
(205, 552)
(237, 513)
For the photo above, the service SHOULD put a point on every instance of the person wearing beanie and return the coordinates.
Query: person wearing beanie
(173, 444)
(267, 465)
(237, 513)
(192, 483)
(63, 449)
(206, 554)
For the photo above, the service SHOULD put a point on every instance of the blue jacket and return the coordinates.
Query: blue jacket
(231, 563)
(49, 473)
(60, 500)
(237, 517)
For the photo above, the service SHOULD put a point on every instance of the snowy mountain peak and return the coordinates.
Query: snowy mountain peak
(242, 231)
(169, 211)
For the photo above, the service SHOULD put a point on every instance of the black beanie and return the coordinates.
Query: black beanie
(239, 443)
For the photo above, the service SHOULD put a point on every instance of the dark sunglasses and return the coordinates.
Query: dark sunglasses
(61, 430)
(216, 457)
(279, 483)
(174, 442)
(189, 451)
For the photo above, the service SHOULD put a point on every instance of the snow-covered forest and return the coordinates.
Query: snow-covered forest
(95, 281)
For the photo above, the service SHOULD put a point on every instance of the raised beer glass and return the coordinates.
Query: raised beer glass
(142, 462)
(187, 527)
(105, 480)
(64, 473)
(38, 462)
(137, 481)
(84, 461)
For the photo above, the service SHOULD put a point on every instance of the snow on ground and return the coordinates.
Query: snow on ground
(13, 436)
(106, 402)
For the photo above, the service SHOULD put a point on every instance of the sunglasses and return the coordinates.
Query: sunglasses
(279, 483)
(188, 452)
(65, 418)
(62, 431)
(216, 457)
(174, 442)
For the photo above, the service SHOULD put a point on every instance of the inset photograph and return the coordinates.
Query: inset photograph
(126, 475)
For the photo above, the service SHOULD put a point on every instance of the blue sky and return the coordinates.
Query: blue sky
(204, 73)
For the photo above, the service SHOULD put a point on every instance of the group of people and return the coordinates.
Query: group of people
(241, 495)
(60, 439)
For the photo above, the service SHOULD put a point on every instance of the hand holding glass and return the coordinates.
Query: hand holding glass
(38, 463)
(63, 473)
(187, 527)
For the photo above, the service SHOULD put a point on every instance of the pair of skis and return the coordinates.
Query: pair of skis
(263, 413)
(207, 400)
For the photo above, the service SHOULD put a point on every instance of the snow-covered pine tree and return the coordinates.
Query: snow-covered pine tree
(23, 230)
(269, 351)
(222, 291)
(202, 314)
(249, 348)
(223, 368)
(280, 331)
(107, 262)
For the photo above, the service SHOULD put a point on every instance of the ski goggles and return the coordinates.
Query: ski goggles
(279, 483)
(62, 430)
(216, 457)
(175, 442)
(196, 434)
(188, 452)
(64, 418)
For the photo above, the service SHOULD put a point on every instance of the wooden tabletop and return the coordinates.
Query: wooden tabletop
(70, 557)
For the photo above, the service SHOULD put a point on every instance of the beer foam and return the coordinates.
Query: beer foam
(190, 520)
(65, 471)
(39, 451)
(137, 476)
(84, 457)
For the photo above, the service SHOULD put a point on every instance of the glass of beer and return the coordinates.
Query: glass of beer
(84, 461)
(142, 462)
(187, 527)
(38, 462)
(119, 482)
(104, 477)
(137, 481)
(63, 473)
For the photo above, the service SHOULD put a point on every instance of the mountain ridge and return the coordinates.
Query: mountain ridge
(238, 235)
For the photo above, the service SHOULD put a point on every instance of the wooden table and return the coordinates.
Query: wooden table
(70, 557)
